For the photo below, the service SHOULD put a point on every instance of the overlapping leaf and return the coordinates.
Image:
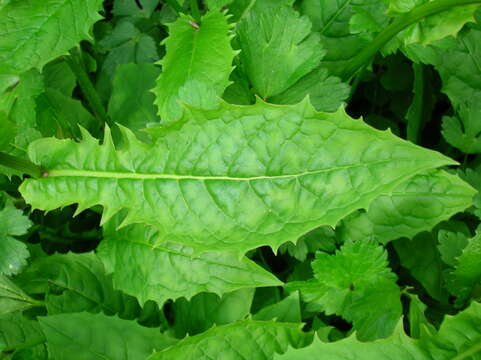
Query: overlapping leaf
(16, 331)
(356, 284)
(415, 206)
(148, 270)
(34, 32)
(241, 340)
(458, 338)
(197, 65)
(79, 336)
(233, 178)
(277, 48)
(13, 253)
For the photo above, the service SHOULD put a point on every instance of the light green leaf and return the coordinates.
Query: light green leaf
(16, 331)
(75, 283)
(12, 298)
(323, 238)
(286, 310)
(465, 280)
(414, 206)
(458, 338)
(200, 55)
(234, 178)
(206, 309)
(396, 347)
(148, 269)
(417, 318)
(357, 284)
(421, 258)
(36, 32)
(131, 103)
(84, 336)
(241, 340)
(13, 253)
(433, 27)
(326, 93)
(277, 48)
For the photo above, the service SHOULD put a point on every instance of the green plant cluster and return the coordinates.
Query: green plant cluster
(240, 179)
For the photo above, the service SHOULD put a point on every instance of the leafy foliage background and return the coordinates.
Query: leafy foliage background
(243, 179)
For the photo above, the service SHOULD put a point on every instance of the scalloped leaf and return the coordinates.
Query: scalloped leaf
(197, 64)
(32, 33)
(149, 271)
(247, 339)
(233, 178)
(414, 206)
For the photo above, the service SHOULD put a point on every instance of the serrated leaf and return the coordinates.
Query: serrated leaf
(463, 130)
(59, 115)
(147, 269)
(277, 33)
(206, 309)
(286, 310)
(199, 55)
(357, 284)
(458, 338)
(241, 340)
(326, 93)
(16, 331)
(13, 253)
(80, 336)
(421, 258)
(58, 25)
(414, 206)
(464, 281)
(12, 298)
(234, 178)
(75, 283)
(131, 103)
(451, 245)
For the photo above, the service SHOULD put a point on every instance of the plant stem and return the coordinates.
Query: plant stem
(415, 112)
(19, 164)
(412, 17)
(175, 6)
(194, 8)
(88, 90)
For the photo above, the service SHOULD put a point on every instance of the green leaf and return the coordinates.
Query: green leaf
(421, 257)
(325, 92)
(12, 298)
(433, 27)
(217, 4)
(346, 27)
(132, 103)
(206, 309)
(58, 75)
(13, 253)
(241, 340)
(465, 280)
(286, 310)
(239, 176)
(277, 49)
(458, 338)
(80, 336)
(130, 8)
(451, 245)
(60, 115)
(357, 284)
(197, 64)
(16, 331)
(463, 130)
(417, 318)
(75, 283)
(414, 206)
(148, 269)
(323, 238)
(36, 32)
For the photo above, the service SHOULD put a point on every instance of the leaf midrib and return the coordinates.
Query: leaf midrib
(154, 176)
